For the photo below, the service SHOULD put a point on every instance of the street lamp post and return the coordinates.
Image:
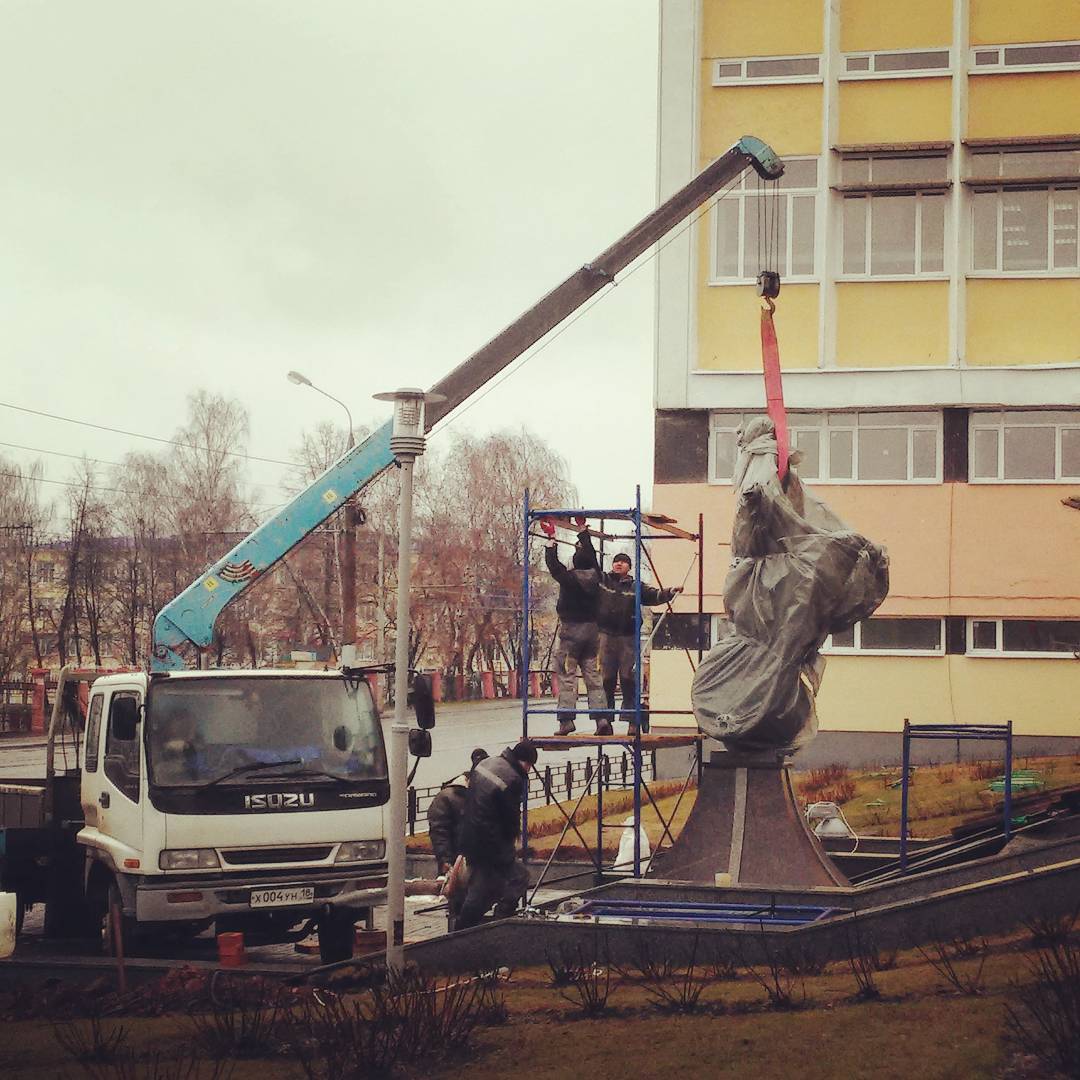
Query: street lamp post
(298, 379)
(406, 444)
(348, 551)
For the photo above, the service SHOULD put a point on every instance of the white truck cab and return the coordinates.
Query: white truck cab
(254, 799)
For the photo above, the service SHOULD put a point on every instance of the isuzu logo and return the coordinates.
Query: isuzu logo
(279, 800)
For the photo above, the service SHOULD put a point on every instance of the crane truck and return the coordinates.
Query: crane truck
(252, 799)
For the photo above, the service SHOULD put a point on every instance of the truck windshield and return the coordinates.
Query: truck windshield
(201, 730)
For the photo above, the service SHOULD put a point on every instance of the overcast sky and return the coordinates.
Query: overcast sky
(208, 194)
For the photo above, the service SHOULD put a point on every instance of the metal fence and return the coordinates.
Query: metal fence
(555, 783)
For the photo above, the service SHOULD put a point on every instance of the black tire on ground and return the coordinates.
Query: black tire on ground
(336, 935)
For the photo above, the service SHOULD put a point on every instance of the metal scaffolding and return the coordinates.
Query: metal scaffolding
(657, 527)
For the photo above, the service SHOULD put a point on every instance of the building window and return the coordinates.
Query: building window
(738, 242)
(1025, 445)
(924, 637)
(766, 69)
(864, 448)
(893, 214)
(1024, 637)
(1051, 55)
(1024, 210)
(897, 63)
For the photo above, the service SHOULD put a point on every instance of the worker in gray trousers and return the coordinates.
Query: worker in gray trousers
(579, 636)
(618, 644)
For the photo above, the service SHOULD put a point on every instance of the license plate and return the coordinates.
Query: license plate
(282, 897)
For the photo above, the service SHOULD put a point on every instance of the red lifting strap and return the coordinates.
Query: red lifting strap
(774, 387)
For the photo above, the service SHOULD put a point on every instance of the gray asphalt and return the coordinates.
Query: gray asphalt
(458, 729)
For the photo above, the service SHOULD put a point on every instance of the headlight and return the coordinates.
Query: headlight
(189, 859)
(361, 851)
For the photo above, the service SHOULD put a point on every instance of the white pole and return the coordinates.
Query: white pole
(399, 733)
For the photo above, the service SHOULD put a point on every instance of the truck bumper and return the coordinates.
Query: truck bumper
(176, 899)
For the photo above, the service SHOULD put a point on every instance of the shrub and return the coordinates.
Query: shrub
(589, 979)
(1043, 1019)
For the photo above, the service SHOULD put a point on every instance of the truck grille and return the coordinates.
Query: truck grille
(253, 856)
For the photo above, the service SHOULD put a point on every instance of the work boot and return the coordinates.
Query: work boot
(603, 727)
(566, 727)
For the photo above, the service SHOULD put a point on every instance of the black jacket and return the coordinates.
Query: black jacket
(444, 820)
(492, 820)
(578, 593)
(616, 614)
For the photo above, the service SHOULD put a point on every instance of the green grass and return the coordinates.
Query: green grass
(941, 797)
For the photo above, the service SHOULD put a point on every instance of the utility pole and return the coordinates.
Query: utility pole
(406, 444)
(380, 611)
(348, 578)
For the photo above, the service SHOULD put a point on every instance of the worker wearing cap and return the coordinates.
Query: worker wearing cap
(579, 636)
(490, 828)
(618, 647)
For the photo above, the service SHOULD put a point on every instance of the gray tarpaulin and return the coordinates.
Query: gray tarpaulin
(798, 574)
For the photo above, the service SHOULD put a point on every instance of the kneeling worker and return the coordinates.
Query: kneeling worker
(490, 828)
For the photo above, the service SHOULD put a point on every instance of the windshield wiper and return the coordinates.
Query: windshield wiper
(318, 773)
(252, 766)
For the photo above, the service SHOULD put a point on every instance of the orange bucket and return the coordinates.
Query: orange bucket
(230, 949)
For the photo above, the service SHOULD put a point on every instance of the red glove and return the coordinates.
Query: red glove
(547, 528)
(579, 521)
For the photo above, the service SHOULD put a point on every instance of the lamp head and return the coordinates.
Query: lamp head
(298, 379)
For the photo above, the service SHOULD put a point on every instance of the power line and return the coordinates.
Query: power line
(151, 438)
(60, 453)
(97, 487)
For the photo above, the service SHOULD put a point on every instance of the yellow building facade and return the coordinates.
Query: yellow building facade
(926, 231)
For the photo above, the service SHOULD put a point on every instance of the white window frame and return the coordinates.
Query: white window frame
(763, 80)
(1001, 67)
(922, 420)
(907, 73)
(858, 650)
(1002, 191)
(718, 627)
(997, 420)
(919, 274)
(743, 193)
(1000, 651)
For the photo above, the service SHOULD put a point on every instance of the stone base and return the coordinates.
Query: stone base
(746, 826)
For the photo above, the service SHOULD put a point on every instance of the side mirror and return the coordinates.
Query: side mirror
(125, 719)
(423, 702)
(420, 743)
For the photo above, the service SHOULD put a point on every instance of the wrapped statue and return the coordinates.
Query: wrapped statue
(798, 574)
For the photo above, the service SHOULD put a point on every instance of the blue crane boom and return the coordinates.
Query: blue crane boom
(189, 619)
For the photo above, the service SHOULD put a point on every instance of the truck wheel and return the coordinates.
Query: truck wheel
(336, 934)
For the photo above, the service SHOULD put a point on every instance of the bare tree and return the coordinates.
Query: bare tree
(473, 552)
(22, 519)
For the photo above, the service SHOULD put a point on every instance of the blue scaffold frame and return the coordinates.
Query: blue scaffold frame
(994, 732)
(633, 516)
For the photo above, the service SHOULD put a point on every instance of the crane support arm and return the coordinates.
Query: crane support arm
(565, 299)
(190, 618)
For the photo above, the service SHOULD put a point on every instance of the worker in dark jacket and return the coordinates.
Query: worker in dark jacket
(579, 637)
(445, 813)
(490, 828)
(618, 645)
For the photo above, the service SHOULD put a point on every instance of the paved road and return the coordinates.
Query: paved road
(458, 729)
